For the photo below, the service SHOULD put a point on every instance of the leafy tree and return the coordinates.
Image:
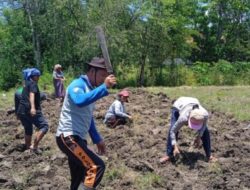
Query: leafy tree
(146, 38)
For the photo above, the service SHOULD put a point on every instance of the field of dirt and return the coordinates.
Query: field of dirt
(133, 151)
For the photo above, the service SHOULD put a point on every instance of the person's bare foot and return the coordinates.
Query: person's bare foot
(36, 150)
(212, 159)
(164, 159)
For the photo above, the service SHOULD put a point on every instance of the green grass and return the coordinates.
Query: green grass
(114, 173)
(215, 168)
(6, 99)
(233, 100)
(46, 82)
(148, 181)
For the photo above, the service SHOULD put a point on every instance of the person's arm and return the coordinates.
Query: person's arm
(82, 98)
(32, 103)
(178, 124)
(17, 98)
(78, 95)
(197, 140)
(201, 131)
(62, 76)
(96, 138)
(93, 133)
(33, 90)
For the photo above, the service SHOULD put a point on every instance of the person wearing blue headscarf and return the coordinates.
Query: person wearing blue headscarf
(29, 111)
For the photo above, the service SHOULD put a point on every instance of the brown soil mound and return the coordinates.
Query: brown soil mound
(133, 151)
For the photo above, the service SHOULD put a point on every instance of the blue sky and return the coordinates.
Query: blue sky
(135, 9)
(5, 4)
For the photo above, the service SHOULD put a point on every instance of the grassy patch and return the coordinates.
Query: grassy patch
(233, 100)
(6, 99)
(20, 180)
(114, 173)
(148, 181)
(215, 168)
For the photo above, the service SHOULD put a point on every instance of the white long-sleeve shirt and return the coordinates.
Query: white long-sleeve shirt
(185, 105)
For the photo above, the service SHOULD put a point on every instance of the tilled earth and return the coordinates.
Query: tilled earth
(133, 151)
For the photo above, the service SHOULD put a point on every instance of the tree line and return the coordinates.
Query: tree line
(151, 42)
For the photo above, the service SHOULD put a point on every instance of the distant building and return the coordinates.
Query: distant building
(177, 61)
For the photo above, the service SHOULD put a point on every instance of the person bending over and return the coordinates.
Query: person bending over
(188, 110)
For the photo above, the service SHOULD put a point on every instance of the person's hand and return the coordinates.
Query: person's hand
(176, 151)
(197, 142)
(101, 148)
(130, 117)
(110, 81)
(33, 112)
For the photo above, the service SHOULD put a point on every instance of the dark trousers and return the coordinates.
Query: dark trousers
(205, 137)
(38, 120)
(85, 166)
(112, 122)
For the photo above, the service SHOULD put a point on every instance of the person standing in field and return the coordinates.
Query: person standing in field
(76, 122)
(58, 81)
(116, 114)
(188, 110)
(18, 97)
(29, 111)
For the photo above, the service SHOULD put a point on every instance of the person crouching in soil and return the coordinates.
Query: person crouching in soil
(116, 114)
(188, 110)
(77, 121)
(29, 112)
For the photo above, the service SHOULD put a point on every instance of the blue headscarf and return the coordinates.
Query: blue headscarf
(30, 72)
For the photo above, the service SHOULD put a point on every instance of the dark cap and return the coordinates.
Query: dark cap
(97, 62)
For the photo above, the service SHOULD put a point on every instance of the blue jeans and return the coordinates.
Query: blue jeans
(205, 137)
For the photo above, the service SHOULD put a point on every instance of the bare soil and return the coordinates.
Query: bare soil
(133, 151)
